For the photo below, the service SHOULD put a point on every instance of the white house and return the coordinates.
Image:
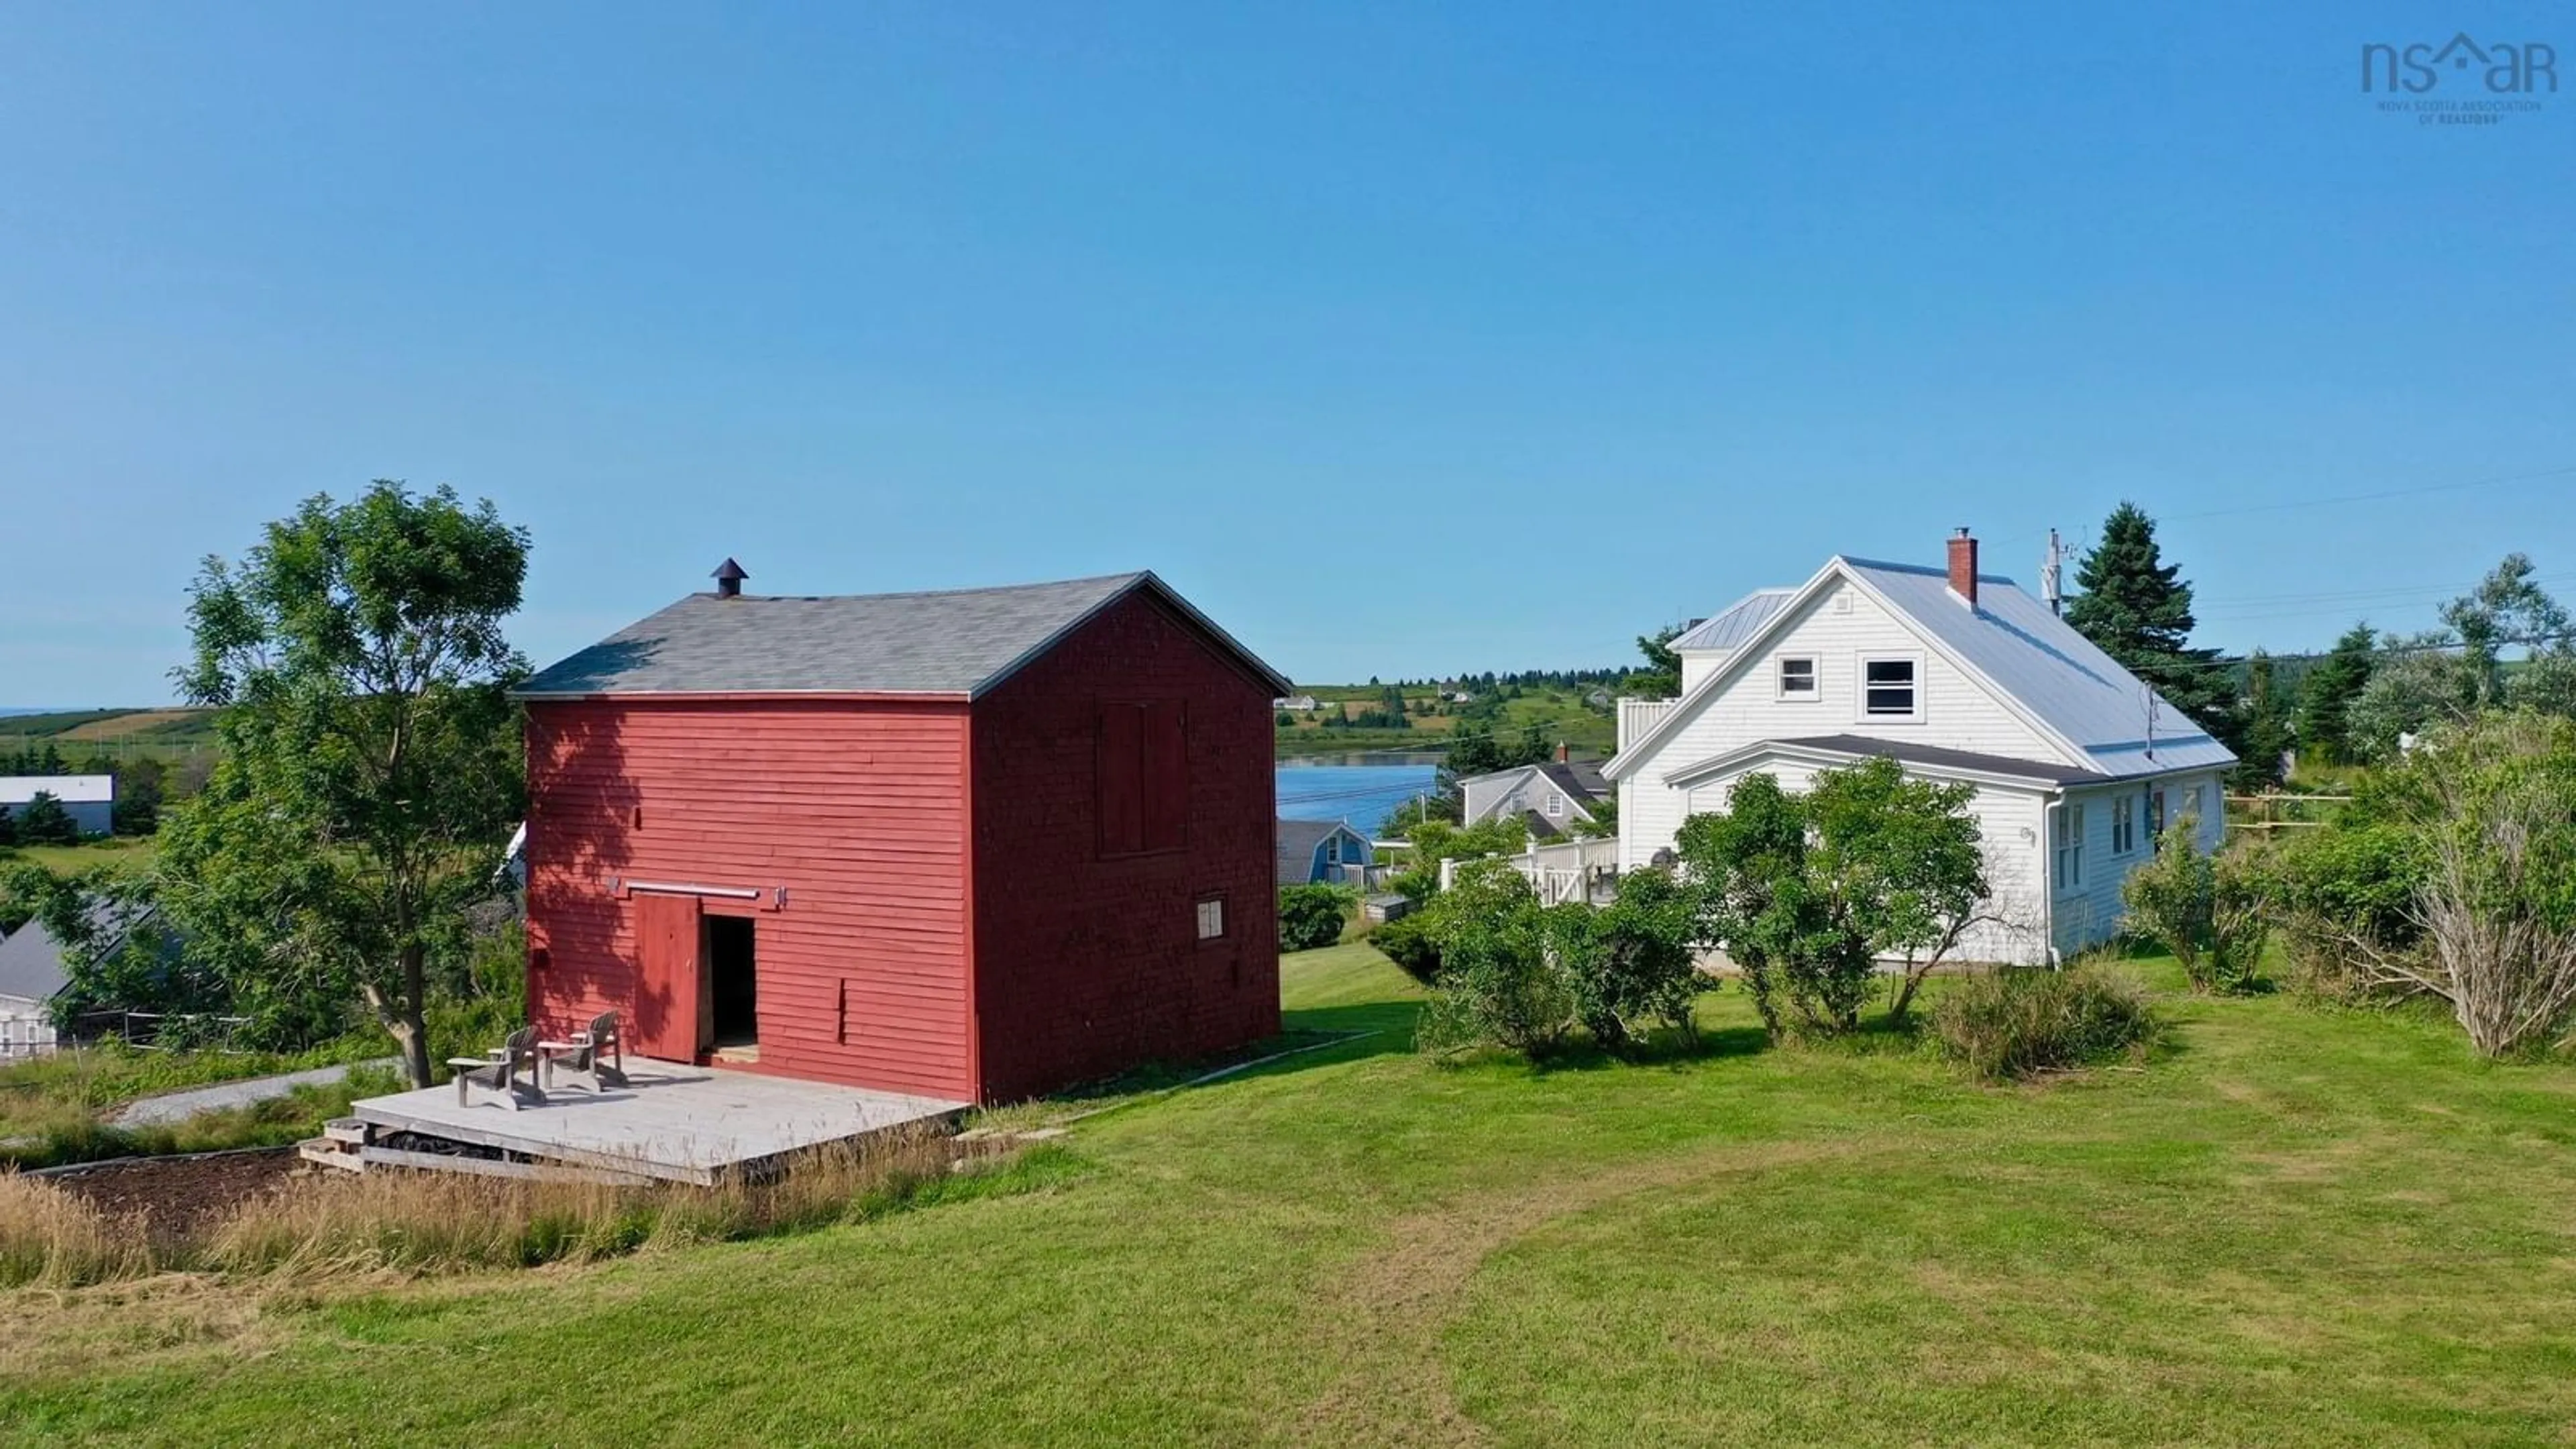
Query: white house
(90, 800)
(32, 974)
(1553, 796)
(1956, 675)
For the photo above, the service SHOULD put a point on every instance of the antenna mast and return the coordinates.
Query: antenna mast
(2051, 569)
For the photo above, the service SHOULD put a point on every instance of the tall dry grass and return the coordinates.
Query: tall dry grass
(54, 1239)
(408, 1222)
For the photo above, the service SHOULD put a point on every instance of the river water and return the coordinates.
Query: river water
(1362, 791)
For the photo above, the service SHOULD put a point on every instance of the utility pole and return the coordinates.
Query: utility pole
(2051, 575)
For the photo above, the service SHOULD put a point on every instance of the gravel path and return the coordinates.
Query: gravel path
(179, 1106)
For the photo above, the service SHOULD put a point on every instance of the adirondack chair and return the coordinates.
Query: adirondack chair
(498, 1072)
(597, 1051)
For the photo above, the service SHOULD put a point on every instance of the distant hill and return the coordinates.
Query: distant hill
(113, 732)
(1560, 712)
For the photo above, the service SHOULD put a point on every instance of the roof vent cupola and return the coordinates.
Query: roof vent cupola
(729, 576)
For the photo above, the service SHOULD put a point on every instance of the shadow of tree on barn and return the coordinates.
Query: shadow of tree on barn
(583, 807)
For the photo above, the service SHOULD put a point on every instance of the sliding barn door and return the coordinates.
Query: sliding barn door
(669, 987)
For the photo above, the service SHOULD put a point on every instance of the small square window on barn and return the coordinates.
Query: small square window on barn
(1143, 767)
(1212, 918)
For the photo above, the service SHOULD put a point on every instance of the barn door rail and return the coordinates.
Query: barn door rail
(766, 898)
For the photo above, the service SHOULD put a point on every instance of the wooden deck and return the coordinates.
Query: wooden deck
(680, 1123)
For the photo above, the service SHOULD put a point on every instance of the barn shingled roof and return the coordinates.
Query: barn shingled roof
(952, 642)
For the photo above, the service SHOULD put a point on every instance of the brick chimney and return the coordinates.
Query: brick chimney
(729, 576)
(1963, 567)
(1564, 752)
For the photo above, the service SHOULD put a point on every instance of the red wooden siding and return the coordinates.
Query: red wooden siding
(858, 810)
(1134, 729)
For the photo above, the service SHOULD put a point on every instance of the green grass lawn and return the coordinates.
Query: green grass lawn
(2291, 1227)
(122, 852)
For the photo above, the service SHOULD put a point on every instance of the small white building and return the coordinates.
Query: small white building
(90, 800)
(1956, 675)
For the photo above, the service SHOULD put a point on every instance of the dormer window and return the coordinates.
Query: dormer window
(1891, 687)
(1798, 677)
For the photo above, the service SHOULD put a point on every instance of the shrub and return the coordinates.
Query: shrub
(1631, 963)
(1408, 941)
(2498, 901)
(1499, 983)
(2343, 896)
(1310, 916)
(2007, 1024)
(2211, 911)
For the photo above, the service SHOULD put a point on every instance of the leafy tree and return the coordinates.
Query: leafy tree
(1806, 893)
(8, 837)
(370, 770)
(2507, 608)
(2417, 685)
(2137, 608)
(2326, 695)
(2268, 727)
(1661, 678)
(2447, 677)
(139, 795)
(1604, 824)
(44, 821)
(1441, 805)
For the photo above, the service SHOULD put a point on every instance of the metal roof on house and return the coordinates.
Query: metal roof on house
(2033, 661)
(69, 789)
(31, 964)
(2038, 660)
(31, 960)
(957, 642)
(1731, 626)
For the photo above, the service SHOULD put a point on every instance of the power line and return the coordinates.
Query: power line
(2416, 492)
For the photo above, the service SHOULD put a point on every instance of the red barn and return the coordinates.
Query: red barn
(977, 844)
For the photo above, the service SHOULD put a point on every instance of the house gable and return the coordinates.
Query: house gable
(1839, 623)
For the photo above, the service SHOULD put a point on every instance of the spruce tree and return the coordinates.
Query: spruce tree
(2137, 608)
(2267, 733)
(2326, 695)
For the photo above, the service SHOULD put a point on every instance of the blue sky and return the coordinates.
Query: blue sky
(1403, 339)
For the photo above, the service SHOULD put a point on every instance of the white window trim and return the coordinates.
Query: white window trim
(1211, 918)
(1780, 690)
(2124, 823)
(2066, 848)
(1860, 686)
(1333, 849)
(1555, 805)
